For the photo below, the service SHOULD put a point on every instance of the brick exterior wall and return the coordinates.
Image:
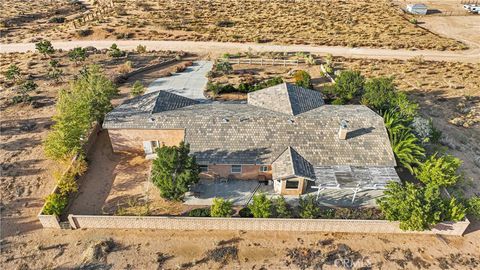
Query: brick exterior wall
(131, 140)
(249, 172)
(252, 224)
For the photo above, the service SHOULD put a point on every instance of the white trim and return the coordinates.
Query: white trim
(264, 168)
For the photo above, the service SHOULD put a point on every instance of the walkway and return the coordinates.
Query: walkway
(189, 83)
(217, 48)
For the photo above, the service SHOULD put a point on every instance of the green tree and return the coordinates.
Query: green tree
(303, 79)
(44, 47)
(309, 207)
(418, 208)
(87, 100)
(378, 92)
(439, 171)
(77, 55)
(261, 206)
(348, 85)
(137, 89)
(221, 208)
(282, 209)
(12, 73)
(174, 170)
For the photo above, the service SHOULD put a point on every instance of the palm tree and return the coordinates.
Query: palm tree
(406, 148)
(404, 143)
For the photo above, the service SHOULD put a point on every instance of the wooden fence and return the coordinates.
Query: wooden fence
(266, 62)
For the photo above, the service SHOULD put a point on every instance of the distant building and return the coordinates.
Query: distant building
(418, 9)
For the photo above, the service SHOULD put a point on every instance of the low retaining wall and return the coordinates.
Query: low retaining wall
(256, 224)
(52, 221)
(123, 77)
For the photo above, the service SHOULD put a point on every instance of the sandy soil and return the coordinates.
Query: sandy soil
(119, 183)
(370, 23)
(459, 27)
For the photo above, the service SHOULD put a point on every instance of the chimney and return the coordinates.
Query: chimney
(342, 132)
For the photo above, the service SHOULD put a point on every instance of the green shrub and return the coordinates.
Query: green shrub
(221, 208)
(223, 67)
(282, 209)
(141, 48)
(44, 47)
(245, 212)
(84, 32)
(473, 207)
(55, 204)
(327, 213)
(439, 171)
(115, 52)
(199, 212)
(418, 208)
(309, 207)
(225, 23)
(137, 89)
(24, 90)
(78, 54)
(261, 206)
(57, 20)
(303, 79)
(12, 73)
(348, 84)
(174, 170)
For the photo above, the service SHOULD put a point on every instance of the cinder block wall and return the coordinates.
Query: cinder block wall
(257, 224)
(131, 140)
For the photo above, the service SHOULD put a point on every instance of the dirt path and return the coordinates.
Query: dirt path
(218, 48)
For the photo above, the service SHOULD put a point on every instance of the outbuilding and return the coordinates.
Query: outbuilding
(418, 9)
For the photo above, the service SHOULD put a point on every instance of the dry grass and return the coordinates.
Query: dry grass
(369, 23)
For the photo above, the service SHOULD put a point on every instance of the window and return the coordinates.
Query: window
(155, 144)
(263, 168)
(203, 168)
(236, 168)
(291, 184)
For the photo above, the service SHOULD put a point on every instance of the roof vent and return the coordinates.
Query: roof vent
(151, 119)
(291, 121)
(342, 132)
(242, 119)
(225, 120)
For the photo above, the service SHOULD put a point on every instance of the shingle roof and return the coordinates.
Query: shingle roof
(286, 98)
(291, 163)
(245, 134)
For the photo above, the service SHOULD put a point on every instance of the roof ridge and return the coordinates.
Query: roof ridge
(289, 98)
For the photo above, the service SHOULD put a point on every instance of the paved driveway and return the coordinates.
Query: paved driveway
(189, 83)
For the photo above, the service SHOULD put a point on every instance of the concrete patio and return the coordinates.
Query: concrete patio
(241, 191)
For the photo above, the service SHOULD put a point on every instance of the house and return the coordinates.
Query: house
(418, 9)
(285, 134)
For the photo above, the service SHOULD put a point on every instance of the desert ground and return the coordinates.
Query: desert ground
(369, 24)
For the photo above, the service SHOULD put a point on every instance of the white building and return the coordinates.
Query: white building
(419, 9)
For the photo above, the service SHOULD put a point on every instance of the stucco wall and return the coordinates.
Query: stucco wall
(256, 224)
(249, 172)
(131, 140)
(298, 191)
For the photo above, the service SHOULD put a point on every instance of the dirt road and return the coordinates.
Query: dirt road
(218, 48)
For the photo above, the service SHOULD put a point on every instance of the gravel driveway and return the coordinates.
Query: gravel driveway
(189, 83)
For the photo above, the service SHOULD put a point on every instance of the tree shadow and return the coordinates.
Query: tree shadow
(16, 127)
(20, 144)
